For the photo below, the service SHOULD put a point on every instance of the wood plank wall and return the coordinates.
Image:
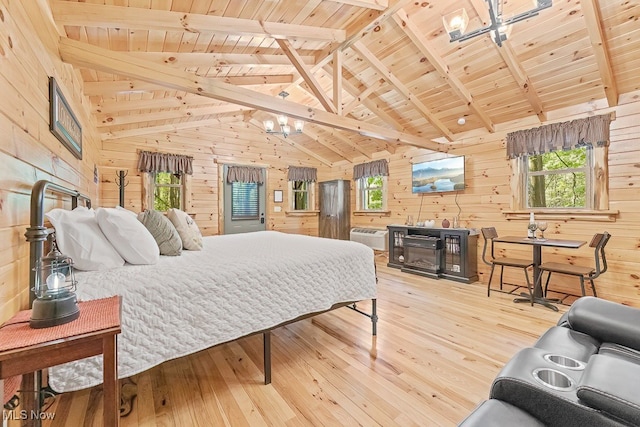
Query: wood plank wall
(487, 195)
(28, 151)
(240, 143)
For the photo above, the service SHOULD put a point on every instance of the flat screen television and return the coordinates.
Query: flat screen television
(437, 176)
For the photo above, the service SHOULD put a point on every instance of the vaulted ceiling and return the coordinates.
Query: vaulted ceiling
(365, 75)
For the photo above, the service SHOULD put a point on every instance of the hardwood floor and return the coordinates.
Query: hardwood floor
(439, 346)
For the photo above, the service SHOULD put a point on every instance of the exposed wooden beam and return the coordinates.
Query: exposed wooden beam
(361, 97)
(128, 86)
(109, 120)
(420, 41)
(361, 28)
(205, 59)
(515, 67)
(371, 106)
(521, 77)
(340, 137)
(386, 73)
(129, 133)
(369, 4)
(111, 106)
(306, 74)
(337, 81)
(264, 79)
(133, 18)
(294, 144)
(599, 44)
(107, 88)
(94, 57)
(320, 140)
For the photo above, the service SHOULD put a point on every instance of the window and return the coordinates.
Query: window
(245, 202)
(167, 191)
(302, 195)
(372, 193)
(559, 179)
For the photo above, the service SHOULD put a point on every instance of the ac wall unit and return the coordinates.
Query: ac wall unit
(375, 238)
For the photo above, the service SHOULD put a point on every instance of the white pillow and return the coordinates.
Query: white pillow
(187, 229)
(120, 208)
(128, 236)
(79, 236)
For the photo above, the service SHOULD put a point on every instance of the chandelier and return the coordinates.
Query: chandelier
(456, 23)
(285, 129)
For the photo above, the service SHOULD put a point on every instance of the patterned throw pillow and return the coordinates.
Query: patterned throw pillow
(163, 231)
(187, 229)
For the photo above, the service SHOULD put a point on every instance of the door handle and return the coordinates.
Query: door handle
(262, 218)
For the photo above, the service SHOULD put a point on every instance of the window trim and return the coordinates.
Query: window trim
(311, 197)
(587, 170)
(360, 209)
(599, 210)
(148, 189)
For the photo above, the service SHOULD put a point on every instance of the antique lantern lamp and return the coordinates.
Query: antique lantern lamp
(55, 286)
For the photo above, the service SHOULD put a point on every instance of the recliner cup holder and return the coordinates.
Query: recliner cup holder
(565, 362)
(553, 379)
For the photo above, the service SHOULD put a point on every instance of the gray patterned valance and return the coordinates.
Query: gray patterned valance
(164, 162)
(591, 131)
(244, 174)
(297, 173)
(375, 168)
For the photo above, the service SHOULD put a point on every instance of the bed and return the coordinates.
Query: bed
(238, 285)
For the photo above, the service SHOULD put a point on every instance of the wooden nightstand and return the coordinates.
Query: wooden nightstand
(24, 350)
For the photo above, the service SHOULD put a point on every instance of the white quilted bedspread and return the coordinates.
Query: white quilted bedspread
(236, 285)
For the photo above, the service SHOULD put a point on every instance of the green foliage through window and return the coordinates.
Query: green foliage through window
(559, 179)
(372, 192)
(167, 191)
(300, 195)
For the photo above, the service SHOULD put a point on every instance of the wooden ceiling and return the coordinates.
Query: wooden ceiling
(365, 75)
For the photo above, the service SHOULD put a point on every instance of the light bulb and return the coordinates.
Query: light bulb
(456, 22)
(268, 125)
(55, 281)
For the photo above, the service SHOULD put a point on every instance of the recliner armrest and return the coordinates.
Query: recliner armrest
(610, 384)
(606, 321)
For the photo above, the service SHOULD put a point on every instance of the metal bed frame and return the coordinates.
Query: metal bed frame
(36, 235)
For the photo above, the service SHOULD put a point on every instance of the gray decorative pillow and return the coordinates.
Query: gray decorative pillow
(163, 232)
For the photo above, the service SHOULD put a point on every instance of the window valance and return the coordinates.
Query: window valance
(165, 162)
(591, 131)
(244, 174)
(375, 168)
(297, 173)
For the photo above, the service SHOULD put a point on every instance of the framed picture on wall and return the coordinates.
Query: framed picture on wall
(62, 122)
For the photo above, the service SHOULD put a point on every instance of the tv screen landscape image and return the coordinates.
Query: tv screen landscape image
(436, 176)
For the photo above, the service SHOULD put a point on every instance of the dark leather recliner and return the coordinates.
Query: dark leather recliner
(585, 371)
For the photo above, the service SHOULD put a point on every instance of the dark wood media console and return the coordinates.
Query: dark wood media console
(449, 253)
